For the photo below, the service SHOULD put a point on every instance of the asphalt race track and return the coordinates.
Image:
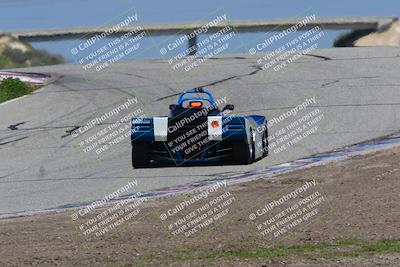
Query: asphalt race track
(43, 166)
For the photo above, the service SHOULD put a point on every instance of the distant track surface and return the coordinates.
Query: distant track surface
(43, 166)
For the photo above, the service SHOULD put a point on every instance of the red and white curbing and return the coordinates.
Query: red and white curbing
(27, 77)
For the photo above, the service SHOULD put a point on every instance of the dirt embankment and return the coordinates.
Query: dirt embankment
(388, 35)
(346, 214)
(17, 54)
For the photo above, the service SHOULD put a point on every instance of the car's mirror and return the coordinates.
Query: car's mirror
(228, 107)
(172, 106)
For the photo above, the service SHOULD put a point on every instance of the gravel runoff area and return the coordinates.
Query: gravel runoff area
(344, 213)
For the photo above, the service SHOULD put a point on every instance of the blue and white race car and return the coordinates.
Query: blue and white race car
(197, 131)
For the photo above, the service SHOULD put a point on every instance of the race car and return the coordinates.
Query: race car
(197, 131)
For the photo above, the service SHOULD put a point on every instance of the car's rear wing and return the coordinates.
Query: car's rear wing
(160, 129)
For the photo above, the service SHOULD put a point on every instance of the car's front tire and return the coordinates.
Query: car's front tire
(140, 155)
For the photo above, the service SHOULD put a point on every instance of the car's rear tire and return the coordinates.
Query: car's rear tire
(265, 142)
(140, 155)
(244, 153)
